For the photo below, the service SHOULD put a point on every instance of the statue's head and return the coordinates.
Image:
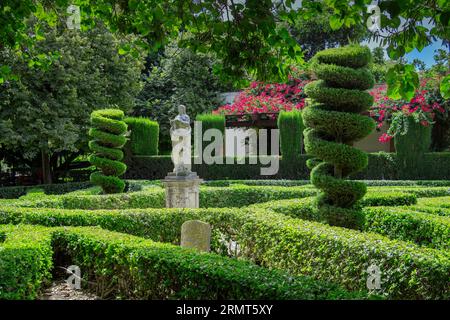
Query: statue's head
(181, 109)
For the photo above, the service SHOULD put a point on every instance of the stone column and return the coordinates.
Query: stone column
(182, 191)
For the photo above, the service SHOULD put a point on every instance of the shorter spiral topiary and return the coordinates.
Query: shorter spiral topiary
(108, 137)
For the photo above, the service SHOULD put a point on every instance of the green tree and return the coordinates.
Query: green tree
(441, 66)
(315, 34)
(378, 55)
(238, 32)
(182, 77)
(45, 114)
(419, 64)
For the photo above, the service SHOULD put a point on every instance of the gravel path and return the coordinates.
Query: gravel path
(62, 291)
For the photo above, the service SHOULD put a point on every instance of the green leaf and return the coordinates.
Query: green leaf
(132, 4)
(291, 52)
(5, 69)
(336, 22)
(402, 81)
(124, 49)
(284, 34)
(445, 87)
(395, 53)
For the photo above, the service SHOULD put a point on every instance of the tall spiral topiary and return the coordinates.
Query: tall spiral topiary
(333, 122)
(108, 137)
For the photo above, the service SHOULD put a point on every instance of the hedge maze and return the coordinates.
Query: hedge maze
(127, 245)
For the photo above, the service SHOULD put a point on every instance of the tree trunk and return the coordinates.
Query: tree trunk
(46, 171)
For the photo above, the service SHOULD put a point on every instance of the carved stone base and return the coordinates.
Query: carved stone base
(182, 191)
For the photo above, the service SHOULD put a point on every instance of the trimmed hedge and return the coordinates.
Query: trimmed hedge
(343, 256)
(382, 166)
(217, 197)
(441, 202)
(334, 254)
(291, 183)
(291, 127)
(420, 192)
(240, 196)
(151, 168)
(212, 121)
(430, 210)
(233, 196)
(161, 224)
(135, 268)
(213, 197)
(25, 261)
(411, 147)
(424, 229)
(17, 191)
(388, 198)
(396, 223)
(282, 183)
(144, 137)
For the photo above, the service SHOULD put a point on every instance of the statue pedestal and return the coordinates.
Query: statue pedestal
(182, 191)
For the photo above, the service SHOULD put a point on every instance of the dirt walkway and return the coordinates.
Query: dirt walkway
(62, 291)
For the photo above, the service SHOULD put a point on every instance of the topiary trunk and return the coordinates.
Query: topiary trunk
(108, 133)
(333, 122)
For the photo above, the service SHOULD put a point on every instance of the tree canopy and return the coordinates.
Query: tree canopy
(246, 35)
(47, 109)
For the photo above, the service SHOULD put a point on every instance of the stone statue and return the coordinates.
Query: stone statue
(180, 134)
(182, 186)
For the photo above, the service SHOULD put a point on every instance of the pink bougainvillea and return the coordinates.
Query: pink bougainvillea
(423, 106)
(262, 97)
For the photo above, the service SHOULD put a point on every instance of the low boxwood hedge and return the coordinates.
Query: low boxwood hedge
(291, 183)
(217, 197)
(25, 261)
(301, 247)
(135, 268)
(441, 202)
(430, 210)
(424, 229)
(393, 198)
(60, 188)
(418, 191)
(343, 256)
(396, 223)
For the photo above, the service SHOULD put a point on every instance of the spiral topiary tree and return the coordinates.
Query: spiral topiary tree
(108, 137)
(333, 122)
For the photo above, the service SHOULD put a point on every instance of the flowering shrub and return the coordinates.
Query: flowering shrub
(267, 98)
(423, 107)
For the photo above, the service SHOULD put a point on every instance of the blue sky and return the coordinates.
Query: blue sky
(426, 55)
